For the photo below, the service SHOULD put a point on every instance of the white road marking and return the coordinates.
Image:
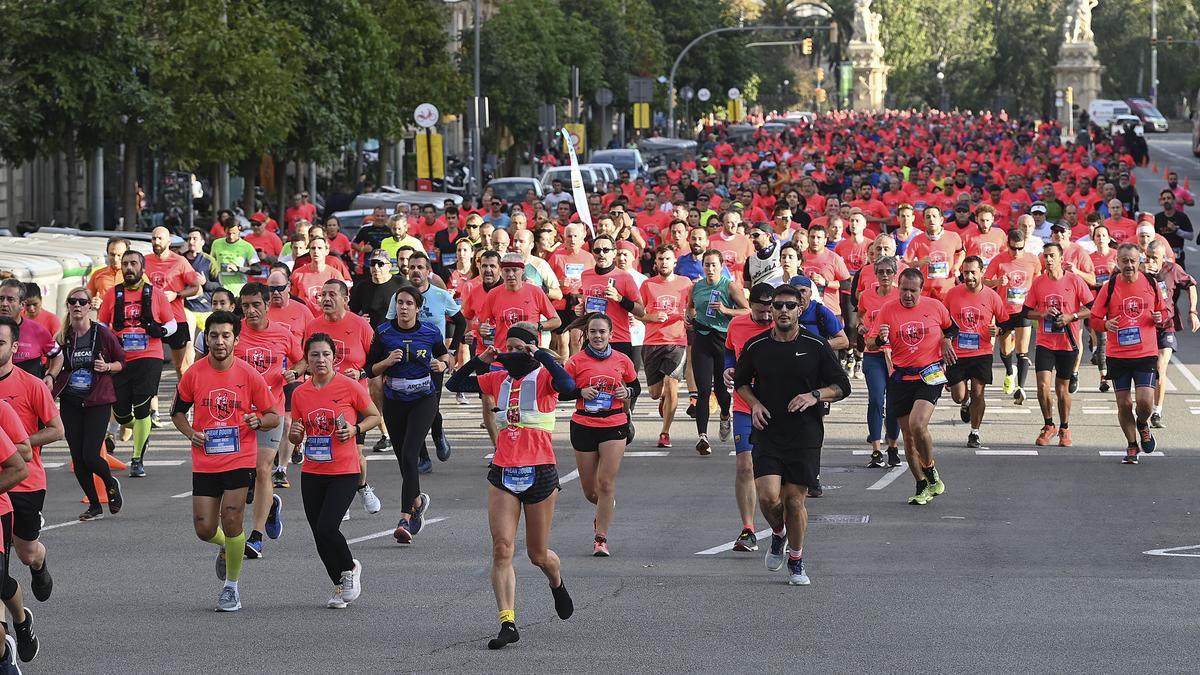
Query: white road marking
(728, 546)
(569, 477)
(1173, 552)
(53, 465)
(1121, 453)
(647, 453)
(385, 533)
(1186, 372)
(888, 478)
(58, 525)
(181, 495)
(1188, 160)
(163, 462)
(1007, 453)
(1009, 411)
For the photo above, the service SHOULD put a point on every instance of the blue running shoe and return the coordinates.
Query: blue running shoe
(275, 517)
(425, 465)
(796, 574)
(418, 516)
(442, 445)
(1146, 440)
(254, 549)
(777, 552)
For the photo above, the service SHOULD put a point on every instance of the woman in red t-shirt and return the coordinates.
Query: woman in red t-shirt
(523, 475)
(321, 410)
(604, 380)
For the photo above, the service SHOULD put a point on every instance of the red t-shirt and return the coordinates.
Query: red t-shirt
(319, 409)
(671, 298)
(172, 274)
(869, 304)
(830, 266)
(269, 352)
(605, 376)
(7, 449)
(1021, 270)
(473, 296)
(267, 244)
(942, 269)
(30, 398)
(741, 329)
(220, 399)
(1104, 264)
(352, 335)
(1132, 305)
(853, 254)
(1068, 294)
(1122, 230)
(595, 285)
(307, 283)
(294, 315)
(569, 268)
(13, 432)
(135, 341)
(974, 314)
(915, 333)
(503, 308)
(985, 245)
(36, 342)
(734, 251)
(521, 446)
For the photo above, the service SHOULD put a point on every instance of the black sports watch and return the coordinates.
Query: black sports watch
(816, 393)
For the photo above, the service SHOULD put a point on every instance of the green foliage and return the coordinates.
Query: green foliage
(718, 62)
(1123, 39)
(632, 43)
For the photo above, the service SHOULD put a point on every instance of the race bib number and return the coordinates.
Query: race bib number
(1162, 289)
(135, 342)
(449, 259)
(1016, 296)
(222, 441)
(1101, 278)
(80, 381)
(939, 269)
(1128, 337)
(573, 271)
(933, 374)
(402, 385)
(968, 341)
(318, 448)
(517, 479)
(603, 401)
(594, 304)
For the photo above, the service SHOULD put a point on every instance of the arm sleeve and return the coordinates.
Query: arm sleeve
(562, 381)
(375, 354)
(438, 349)
(459, 322)
(463, 380)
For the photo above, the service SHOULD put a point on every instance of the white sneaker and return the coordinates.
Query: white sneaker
(352, 583)
(230, 600)
(369, 501)
(336, 601)
(461, 398)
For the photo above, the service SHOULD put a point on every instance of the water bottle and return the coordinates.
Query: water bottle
(713, 296)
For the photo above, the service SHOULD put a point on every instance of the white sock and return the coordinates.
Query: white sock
(974, 430)
(1158, 410)
(231, 584)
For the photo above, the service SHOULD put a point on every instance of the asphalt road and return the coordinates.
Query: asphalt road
(1033, 560)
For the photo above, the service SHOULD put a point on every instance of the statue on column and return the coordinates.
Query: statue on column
(866, 22)
(1077, 26)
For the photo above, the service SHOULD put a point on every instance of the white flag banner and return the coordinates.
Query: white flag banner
(577, 191)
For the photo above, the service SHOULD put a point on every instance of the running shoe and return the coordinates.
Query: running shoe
(461, 398)
(382, 445)
(1104, 385)
(702, 446)
(27, 642)
(600, 547)
(726, 429)
(115, 500)
(221, 564)
(964, 411)
(1131, 456)
(279, 478)
(137, 469)
(1064, 438)
(254, 549)
(1146, 440)
(1019, 396)
(425, 465)
(8, 664)
(1156, 421)
(442, 445)
(93, 513)
(508, 635)
(335, 600)
(921, 497)
(776, 552)
(876, 460)
(1009, 384)
(893, 456)
(418, 516)
(156, 420)
(274, 526)
(563, 605)
(297, 456)
(40, 582)
(1049, 431)
(230, 600)
(934, 481)
(973, 440)
(1073, 386)
(796, 574)
(369, 501)
(403, 532)
(346, 516)
(351, 583)
(816, 491)
(691, 408)
(664, 440)
(858, 372)
(746, 541)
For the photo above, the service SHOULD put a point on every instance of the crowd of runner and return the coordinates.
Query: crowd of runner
(763, 277)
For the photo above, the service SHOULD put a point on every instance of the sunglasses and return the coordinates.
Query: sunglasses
(380, 263)
(783, 304)
(77, 302)
(278, 289)
(602, 250)
(472, 226)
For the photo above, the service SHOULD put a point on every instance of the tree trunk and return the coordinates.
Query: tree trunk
(358, 160)
(385, 149)
(249, 170)
(70, 176)
(129, 182)
(280, 188)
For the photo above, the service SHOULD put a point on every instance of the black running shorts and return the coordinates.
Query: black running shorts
(977, 368)
(588, 439)
(664, 361)
(902, 394)
(1061, 361)
(545, 482)
(27, 513)
(216, 484)
(797, 465)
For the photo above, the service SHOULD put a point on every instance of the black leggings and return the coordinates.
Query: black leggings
(326, 499)
(435, 429)
(408, 423)
(708, 365)
(635, 389)
(84, 430)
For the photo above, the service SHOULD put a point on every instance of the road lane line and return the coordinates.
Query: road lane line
(728, 546)
(1121, 453)
(1007, 453)
(58, 525)
(648, 453)
(888, 478)
(181, 495)
(569, 477)
(1186, 372)
(163, 462)
(385, 533)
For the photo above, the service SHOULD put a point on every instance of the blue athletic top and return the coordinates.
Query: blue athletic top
(409, 378)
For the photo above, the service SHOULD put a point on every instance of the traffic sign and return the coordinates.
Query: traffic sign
(735, 93)
(704, 94)
(604, 97)
(687, 93)
(426, 115)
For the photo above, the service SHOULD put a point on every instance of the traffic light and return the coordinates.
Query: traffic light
(806, 46)
(820, 74)
(1170, 41)
(820, 95)
(1153, 42)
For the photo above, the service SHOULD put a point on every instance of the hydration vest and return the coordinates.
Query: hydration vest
(146, 316)
(527, 415)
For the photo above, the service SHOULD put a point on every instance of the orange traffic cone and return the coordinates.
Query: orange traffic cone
(113, 462)
(1154, 167)
(1187, 183)
(102, 489)
(1166, 172)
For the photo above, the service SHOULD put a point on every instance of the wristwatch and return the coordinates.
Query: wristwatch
(816, 393)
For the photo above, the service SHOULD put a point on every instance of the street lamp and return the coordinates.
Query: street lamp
(475, 186)
(941, 78)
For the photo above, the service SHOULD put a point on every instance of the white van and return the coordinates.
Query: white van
(1103, 111)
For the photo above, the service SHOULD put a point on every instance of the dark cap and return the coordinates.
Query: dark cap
(762, 293)
(764, 227)
(1059, 228)
(801, 281)
(1016, 235)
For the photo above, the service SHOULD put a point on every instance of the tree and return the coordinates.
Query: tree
(1125, 50)
(632, 43)
(965, 44)
(718, 62)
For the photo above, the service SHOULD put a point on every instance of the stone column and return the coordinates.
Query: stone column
(870, 76)
(1079, 69)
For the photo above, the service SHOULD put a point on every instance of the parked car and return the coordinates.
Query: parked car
(512, 190)
(388, 196)
(591, 176)
(624, 159)
(607, 172)
(1102, 112)
(661, 151)
(1151, 118)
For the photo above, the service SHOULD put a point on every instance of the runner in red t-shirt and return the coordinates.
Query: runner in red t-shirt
(568, 263)
(12, 471)
(977, 311)
(937, 253)
(514, 302)
(984, 240)
(664, 298)
(920, 334)
(231, 404)
(1011, 273)
(172, 274)
(734, 246)
(1130, 308)
(307, 281)
(1057, 301)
